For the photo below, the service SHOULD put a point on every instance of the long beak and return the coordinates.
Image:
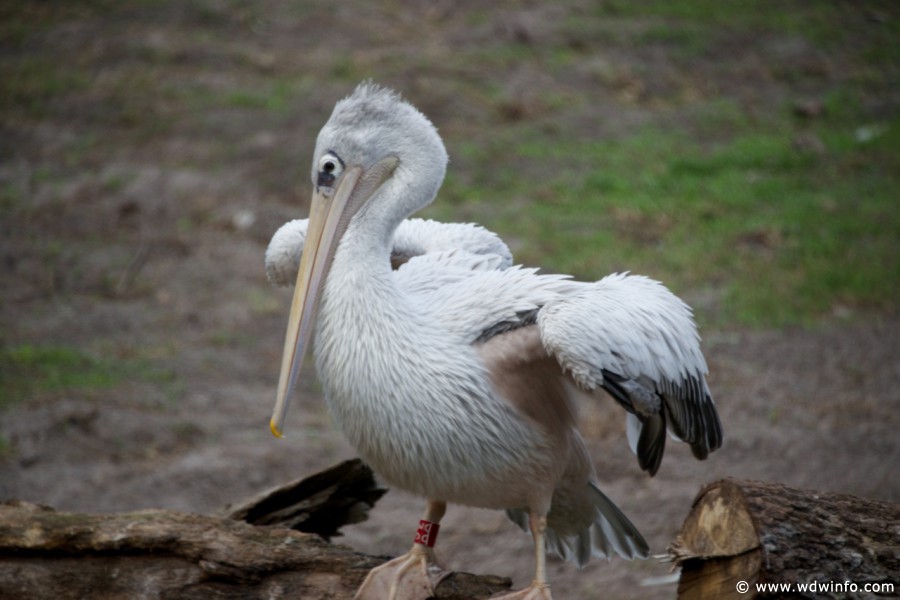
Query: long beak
(328, 220)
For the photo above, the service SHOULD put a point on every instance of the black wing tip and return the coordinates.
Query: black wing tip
(710, 429)
(702, 430)
(693, 416)
(652, 443)
(687, 408)
(702, 449)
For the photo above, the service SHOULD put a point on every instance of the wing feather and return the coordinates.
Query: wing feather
(631, 336)
(476, 303)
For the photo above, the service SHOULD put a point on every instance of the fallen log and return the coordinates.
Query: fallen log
(742, 533)
(152, 554)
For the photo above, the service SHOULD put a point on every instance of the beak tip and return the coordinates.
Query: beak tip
(275, 429)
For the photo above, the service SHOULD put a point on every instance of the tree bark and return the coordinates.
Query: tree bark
(755, 532)
(321, 503)
(158, 554)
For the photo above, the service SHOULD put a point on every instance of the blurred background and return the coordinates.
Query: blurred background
(745, 153)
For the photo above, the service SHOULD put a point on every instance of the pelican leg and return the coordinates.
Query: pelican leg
(413, 576)
(539, 589)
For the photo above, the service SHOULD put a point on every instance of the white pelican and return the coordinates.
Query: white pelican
(450, 375)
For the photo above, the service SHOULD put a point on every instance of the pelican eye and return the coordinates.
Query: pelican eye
(330, 168)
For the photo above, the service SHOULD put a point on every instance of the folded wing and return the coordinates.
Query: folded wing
(413, 238)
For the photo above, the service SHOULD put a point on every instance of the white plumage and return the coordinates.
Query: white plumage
(425, 239)
(448, 374)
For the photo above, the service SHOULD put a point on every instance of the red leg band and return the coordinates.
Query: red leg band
(427, 532)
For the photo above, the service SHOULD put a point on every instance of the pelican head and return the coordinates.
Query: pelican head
(377, 161)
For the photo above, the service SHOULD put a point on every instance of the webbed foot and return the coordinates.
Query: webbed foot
(413, 576)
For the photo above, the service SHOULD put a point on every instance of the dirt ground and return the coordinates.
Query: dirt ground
(140, 239)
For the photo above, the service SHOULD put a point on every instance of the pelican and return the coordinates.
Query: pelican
(453, 375)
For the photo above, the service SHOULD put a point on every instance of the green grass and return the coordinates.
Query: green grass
(781, 219)
(783, 234)
(28, 371)
(708, 187)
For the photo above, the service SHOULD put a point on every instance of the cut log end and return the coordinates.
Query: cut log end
(760, 533)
